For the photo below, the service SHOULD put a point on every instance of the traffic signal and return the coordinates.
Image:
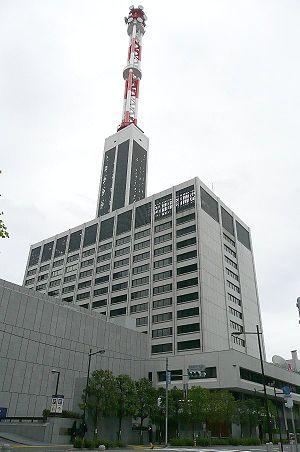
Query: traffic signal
(159, 402)
(193, 374)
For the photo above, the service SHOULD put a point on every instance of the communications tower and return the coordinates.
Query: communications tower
(124, 169)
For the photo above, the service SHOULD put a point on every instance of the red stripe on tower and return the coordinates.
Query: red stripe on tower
(132, 73)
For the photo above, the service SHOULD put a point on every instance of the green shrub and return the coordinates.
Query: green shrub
(203, 442)
(64, 414)
(220, 441)
(181, 442)
(78, 443)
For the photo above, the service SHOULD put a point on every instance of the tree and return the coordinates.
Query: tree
(101, 393)
(125, 399)
(175, 408)
(145, 401)
(222, 407)
(195, 408)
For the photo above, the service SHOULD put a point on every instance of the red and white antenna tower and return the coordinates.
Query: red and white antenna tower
(132, 73)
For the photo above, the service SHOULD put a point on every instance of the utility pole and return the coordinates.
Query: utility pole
(167, 401)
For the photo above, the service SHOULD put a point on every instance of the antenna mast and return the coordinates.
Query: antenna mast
(132, 73)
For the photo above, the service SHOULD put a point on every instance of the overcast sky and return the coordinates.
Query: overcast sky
(219, 99)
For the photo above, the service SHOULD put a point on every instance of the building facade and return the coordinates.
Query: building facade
(179, 262)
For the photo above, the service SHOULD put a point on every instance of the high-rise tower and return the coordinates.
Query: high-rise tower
(124, 168)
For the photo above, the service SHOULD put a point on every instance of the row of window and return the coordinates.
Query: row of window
(182, 345)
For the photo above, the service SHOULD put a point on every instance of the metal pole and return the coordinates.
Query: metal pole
(294, 428)
(278, 419)
(86, 389)
(264, 384)
(167, 402)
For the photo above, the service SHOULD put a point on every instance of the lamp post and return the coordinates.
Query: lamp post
(87, 384)
(258, 333)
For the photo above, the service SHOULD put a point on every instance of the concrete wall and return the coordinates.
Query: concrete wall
(39, 333)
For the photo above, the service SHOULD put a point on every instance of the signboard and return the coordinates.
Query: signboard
(286, 390)
(168, 377)
(196, 371)
(3, 412)
(57, 404)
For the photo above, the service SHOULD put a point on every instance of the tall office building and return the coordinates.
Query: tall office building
(179, 262)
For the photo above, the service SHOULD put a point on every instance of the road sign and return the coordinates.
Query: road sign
(57, 403)
(196, 371)
(168, 377)
(286, 390)
(3, 412)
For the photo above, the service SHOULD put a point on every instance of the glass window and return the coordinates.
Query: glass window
(124, 222)
(88, 252)
(140, 281)
(141, 257)
(141, 245)
(186, 256)
(68, 289)
(60, 247)
(163, 226)
(209, 204)
(163, 262)
(143, 215)
(163, 238)
(105, 246)
(102, 279)
(47, 251)
(185, 219)
(72, 268)
(187, 269)
(140, 269)
(187, 230)
(162, 289)
(69, 278)
(187, 283)
(103, 268)
(44, 268)
(185, 198)
(106, 229)
(99, 304)
(163, 250)
(121, 263)
(55, 264)
(165, 317)
(243, 235)
(121, 274)
(87, 263)
(187, 313)
(227, 221)
(163, 275)
(34, 256)
(86, 273)
(72, 258)
(187, 297)
(190, 328)
(141, 234)
(162, 332)
(122, 251)
(101, 291)
(185, 243)
(75, 239)
(139, 308)
(120, 175)
(90, 235)
(104, 257)
(163, 207)
(117, 312)
(161, 348)
(84, 284)
(83, 296)
(28, 282)
(119, 286)
(119, 299)
(140, 294)
(142, 321)
(175, 375)
(123, 240)
(162, 303)
(188, 345)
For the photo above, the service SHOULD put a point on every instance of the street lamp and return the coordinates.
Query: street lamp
(258, 333)
(100, 352)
